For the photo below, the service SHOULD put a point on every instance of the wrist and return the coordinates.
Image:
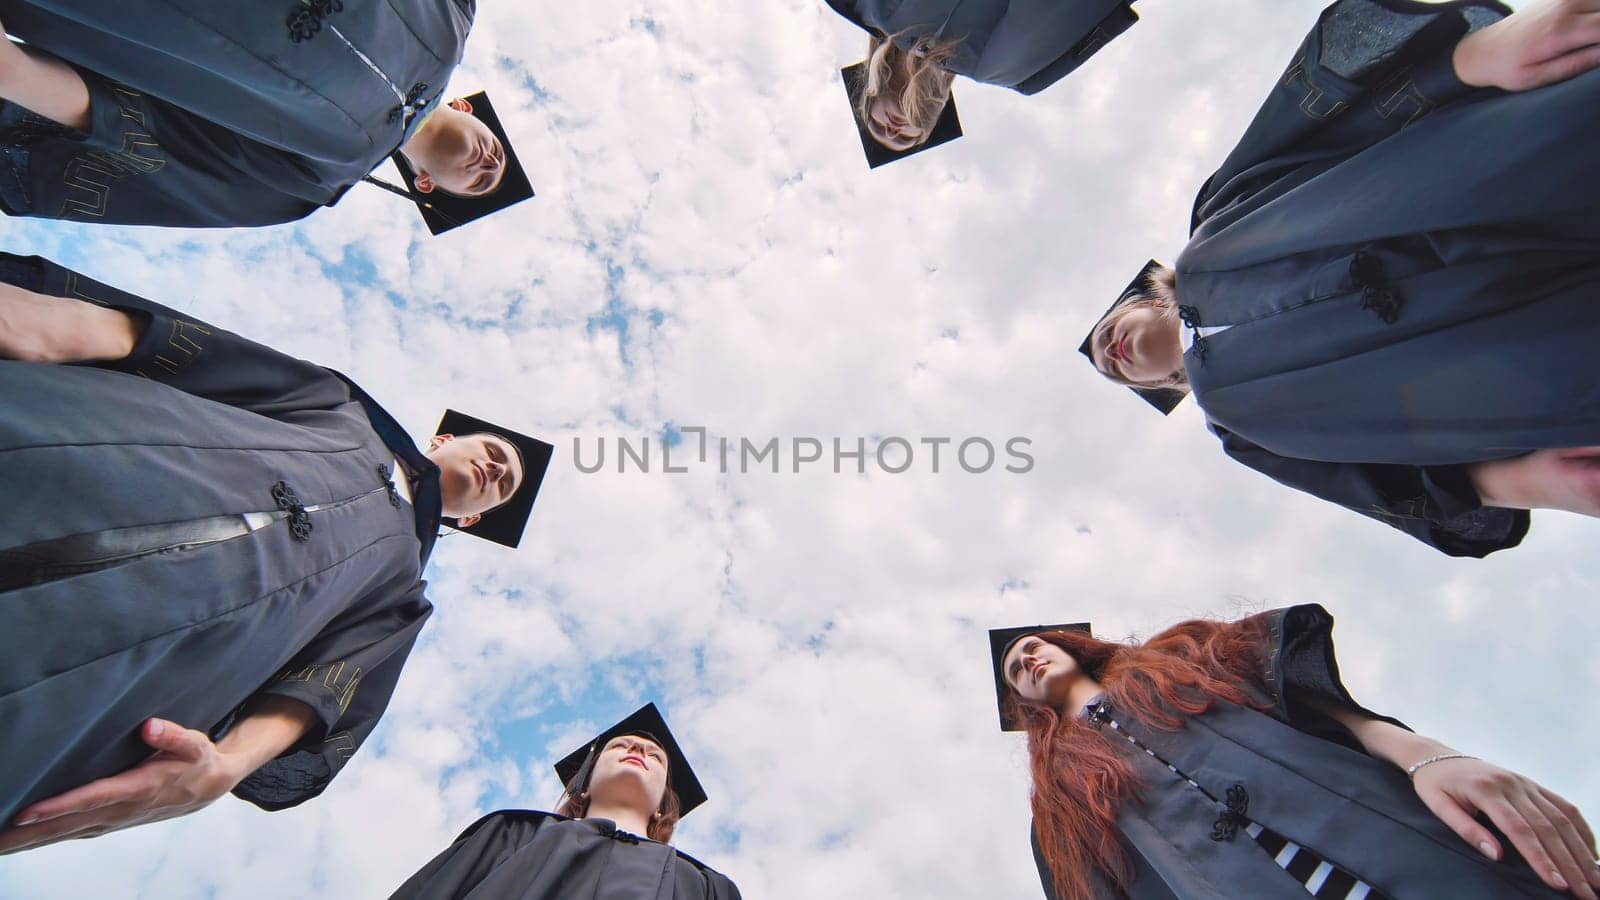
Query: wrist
(108, 334)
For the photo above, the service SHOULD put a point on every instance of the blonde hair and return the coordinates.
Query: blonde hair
(916, 79)
(1159, 292)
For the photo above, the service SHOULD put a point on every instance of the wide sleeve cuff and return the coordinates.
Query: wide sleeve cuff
(1301, 671)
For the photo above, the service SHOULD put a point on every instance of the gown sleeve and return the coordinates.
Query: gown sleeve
(1301, 672)
(144, 161)
(1368, 69)
(1434, 504)
(346, 676)
(190, 355)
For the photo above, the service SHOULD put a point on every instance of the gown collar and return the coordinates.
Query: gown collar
(426, 499)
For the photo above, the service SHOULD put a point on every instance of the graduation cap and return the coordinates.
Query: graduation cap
(443, 211)
(503, 524)
(1163, 399)
(1000, 642)
(947, 129)
(646, 721)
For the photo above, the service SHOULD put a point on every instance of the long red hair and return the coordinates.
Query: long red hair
(1079, 780)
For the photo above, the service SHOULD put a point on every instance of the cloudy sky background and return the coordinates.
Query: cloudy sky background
(709, 249)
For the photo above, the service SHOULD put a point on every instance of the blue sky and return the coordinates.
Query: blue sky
(708, 248)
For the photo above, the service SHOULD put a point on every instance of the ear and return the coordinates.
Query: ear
(460, 104)
(468, 521)
(423, 182)
(439, 440)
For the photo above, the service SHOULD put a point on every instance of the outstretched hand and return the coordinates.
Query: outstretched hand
(1544, 42)
(186, 774)
(1548, 831)
(1566, 478)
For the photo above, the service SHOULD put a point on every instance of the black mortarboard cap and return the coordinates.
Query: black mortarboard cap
(1000, 641)
(503, 524)
(1163, 399)
(646, 721)
(947, 129)
(442, 211)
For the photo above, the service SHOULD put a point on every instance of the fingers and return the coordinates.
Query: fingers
(77, 825)
(169, 737)
(1582, 856)
(1571, 812)
(1536, 839)
(1567, 65)
(134, 784)
(1460, 820)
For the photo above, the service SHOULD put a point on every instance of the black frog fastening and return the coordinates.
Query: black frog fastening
(1366, 273)
(305, 19)
(1190, 317)
(1227, 825)
(299, 518)
(385, 475)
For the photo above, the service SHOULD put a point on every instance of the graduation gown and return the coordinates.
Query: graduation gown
(127, 464)
(1407, 268)
(533, 855)
(1025, 45)
(1306, 778)
(223, 112)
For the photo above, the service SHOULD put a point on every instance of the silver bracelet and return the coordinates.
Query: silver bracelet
(1412, 772)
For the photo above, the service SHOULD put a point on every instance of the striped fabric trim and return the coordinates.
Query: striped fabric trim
(1320, 878)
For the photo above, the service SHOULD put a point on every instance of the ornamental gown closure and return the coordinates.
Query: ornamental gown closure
(1407, 268)
(533, 855)
(322, 604)
(223, 112)
(1306, 778)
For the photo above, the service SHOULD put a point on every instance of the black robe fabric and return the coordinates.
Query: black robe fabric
(210, 113)
(533, 855)
(197, 423)
(1408, 267)
(1025, 45)
(1306, 778)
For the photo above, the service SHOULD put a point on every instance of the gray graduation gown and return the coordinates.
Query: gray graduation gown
(533, 855)
(1409, 269)
(1026, 45)
(321, 606)
(1307, 779)
(223, 112)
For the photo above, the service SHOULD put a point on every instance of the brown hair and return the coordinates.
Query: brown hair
(1079, 780)
(916, 79)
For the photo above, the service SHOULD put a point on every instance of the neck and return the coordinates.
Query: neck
(626, 817)
(1080, 692)
(422, 139)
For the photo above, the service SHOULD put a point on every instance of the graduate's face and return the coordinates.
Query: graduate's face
(1139, 344)
(477, 472)
(1039, 671)
(630, 771)
(461, 155)
(889, 126)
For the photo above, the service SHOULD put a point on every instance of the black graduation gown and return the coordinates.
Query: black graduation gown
(1306, 778)
(1025, 45)
(322, 605)
(211, 113)
(533, 855)
(1408, 268)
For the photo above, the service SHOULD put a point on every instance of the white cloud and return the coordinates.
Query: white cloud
(817, 639)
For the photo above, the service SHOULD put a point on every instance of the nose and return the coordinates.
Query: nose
(495, 469)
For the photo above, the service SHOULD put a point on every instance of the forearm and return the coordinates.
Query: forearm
(268, 726)
(38, 328)
(1384, 740)
(45, 85)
